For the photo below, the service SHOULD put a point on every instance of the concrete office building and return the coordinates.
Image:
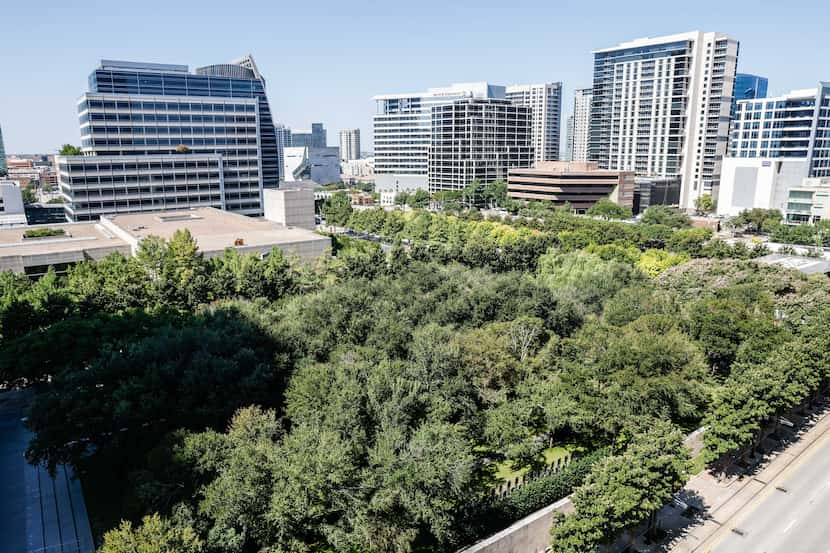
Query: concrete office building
(477, 140)
(581, 123)
(403, 130)
(809, 202)
(545, 103)
(578, 184)
(214, 231)
(291, 207)
(661, 107)
(156, 136)
(793, 126)
(349, 144)
(748, 183)
(12, 213)
(3, 167)
(313, 138)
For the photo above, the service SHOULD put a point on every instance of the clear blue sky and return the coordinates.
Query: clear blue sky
(324, 60)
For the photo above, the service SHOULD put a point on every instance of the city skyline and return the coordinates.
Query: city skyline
(37, 112)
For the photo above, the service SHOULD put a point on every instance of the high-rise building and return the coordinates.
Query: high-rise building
(793, 126)
(313, 138)
(661, 107)
(582, 123)
(478, 139)
(750, 87)
(403, 130)
(156, 136)
(3, 167)
(545, 103)
(350, 144)
(569, 138)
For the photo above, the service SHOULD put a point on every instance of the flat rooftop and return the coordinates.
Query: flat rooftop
(807, 265)
(78, 237)
(213, 229)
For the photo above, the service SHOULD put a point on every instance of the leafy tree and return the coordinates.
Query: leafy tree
(70, 150)
(153, 535)
(757, 219)
(337, 209)
(665, 215)
(29, 196)
(607, 209)
(653, 262)
(705, 204)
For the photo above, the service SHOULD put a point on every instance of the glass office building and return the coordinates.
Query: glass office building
(750, 87)
(795, 125)
(156, 110)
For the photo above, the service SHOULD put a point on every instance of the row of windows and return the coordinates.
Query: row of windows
(173, 118)
(136, 105)
(97, 129)
(781, 104)
(174, 142)
(104, 81)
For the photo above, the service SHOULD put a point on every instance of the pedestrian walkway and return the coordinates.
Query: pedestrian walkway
(38, 513)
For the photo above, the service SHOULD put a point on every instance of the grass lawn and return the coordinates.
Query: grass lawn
(506, 471)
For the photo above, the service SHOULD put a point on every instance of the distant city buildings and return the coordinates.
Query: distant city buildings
(12, 212)
(545, 103)
(31, 169)
(581, 123)
(478, 139)
(349, 144)
(319, 165)
(156, 136)
(569, 139)
(793, 126)
(3, 166)
(358, 170)
(750, 87)
(418, 146)
(576, 184)
(661, 107)
(749, 183)
(313, 138)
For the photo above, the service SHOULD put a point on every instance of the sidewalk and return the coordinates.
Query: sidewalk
(708, 505)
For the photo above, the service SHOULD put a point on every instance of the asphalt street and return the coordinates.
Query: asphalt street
(791, 521)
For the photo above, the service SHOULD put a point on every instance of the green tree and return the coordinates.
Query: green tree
(337, 209)
(69, 150)
(705, 204)
(153, 535)
(665, 215)
(29, 196)
(607, 209)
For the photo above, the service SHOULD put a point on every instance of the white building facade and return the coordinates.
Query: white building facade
(748, 183)
(793, 126)
(661, 107)
(545, 103)
(349, 144)
(581, 123)
(403, 131)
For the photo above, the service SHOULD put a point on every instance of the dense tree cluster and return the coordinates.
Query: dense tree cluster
(240, 404)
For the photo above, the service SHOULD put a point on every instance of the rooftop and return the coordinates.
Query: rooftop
(78, 237)
(214, 230)
(807, 265)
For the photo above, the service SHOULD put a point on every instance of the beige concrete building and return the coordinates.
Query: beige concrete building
(580, 184)
(214, 231)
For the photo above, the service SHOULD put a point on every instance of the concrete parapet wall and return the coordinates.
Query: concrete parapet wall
(529, 535)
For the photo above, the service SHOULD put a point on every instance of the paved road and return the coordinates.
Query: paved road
(791, 522)
(38, 513)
